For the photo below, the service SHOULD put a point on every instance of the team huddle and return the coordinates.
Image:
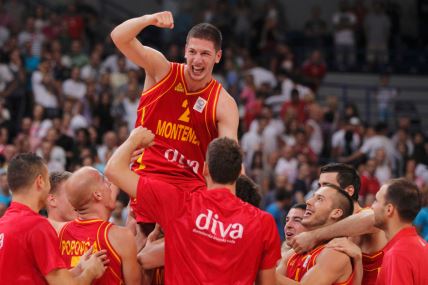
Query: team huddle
(182, 168)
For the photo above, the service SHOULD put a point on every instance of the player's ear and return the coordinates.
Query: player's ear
(337, 214)
(97, 196)
(205, 171)
(218, 56)
(51, 200)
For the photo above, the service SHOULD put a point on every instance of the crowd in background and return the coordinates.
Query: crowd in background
(69, 96)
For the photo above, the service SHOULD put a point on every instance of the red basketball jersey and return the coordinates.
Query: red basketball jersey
(77, 236)
(184, 124)
(371, 267)
(299, 264)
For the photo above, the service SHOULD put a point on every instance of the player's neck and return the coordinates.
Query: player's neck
(394, 227)
(213, 186)
(28, 200)
(93, 213)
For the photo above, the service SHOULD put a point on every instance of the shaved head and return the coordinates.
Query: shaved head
(82, 185)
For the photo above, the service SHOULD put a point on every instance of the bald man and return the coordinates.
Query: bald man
(90, 194)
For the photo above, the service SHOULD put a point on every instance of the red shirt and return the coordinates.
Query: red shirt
(184, 123)
(405, 260)
(299, 264)
(77, 236)
(369, 185)
(28, 247)
(211, 237)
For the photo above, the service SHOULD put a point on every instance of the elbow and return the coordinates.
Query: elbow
(110, 172)
(114, 35)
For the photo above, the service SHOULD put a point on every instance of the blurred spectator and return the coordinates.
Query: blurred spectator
(74, 88)
(287, 164)
(277, 210)
(75, 23)
(421, 220)
(369, 183)
(314, 68)
(344, 40)
(252, 140)
(77, 56)
(385, 95)
(383, 169)
(377, 30)
(15, 10)
(346, 140)
(45, 89)
(5, 196)
(302, 184)
(296, 106)
(313, 128)
(372, 144)
(31, 37)
(315, 29)
(91, 71)
(109, 144)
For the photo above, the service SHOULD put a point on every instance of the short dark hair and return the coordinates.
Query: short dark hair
(405, 196)
(206, 31)
(56, 178)
(23, 170)
(248, 191)
(343, 201)
(301, 206)
(224, 159)
(346, 176)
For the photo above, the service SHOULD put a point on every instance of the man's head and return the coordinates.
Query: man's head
(88, 190)
(293, 221)
(248, 191)
(328, 205)
(58, 206)
(223, 161)
(27, 174)
(343, 176)
(203, 50)
(398, 200)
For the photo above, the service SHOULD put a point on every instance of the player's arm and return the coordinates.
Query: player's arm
(354, 225)
(227, 116)
(153, 253)
(266, 277)
(124, 37)
(328, 269)
(123, 242)
(353, 251)
(117, 169)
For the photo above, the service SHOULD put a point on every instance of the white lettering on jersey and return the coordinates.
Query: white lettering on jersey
(173, 155)
(1, 240)
(210, 222)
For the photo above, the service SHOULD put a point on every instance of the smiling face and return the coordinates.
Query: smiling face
(319, 208)
(293, 223)
(201, 56)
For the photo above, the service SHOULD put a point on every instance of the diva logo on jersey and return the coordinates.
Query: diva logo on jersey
(1, 240)
(216, 229)
(173, 155)
(200, 104)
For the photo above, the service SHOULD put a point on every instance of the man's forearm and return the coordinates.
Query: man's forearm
(354, 225)
(118, 161)
(129, 29)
